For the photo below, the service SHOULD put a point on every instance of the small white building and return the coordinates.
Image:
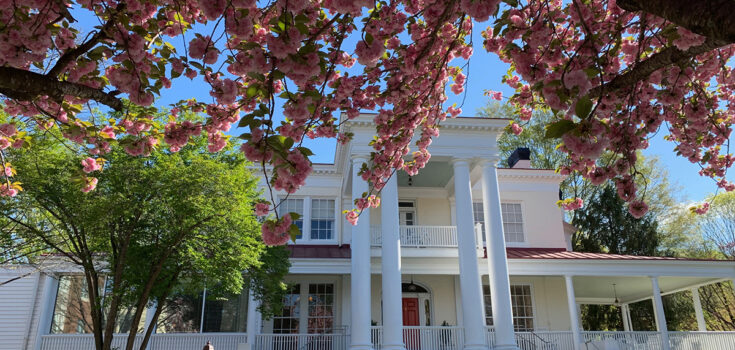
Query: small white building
(463, 255)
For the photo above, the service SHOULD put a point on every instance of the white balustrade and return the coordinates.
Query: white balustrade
(701, 340)
(623, 340)
(424, 236)
(300, 342)
(425, 337)
(178, 341)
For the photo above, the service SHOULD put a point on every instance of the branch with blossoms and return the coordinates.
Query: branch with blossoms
(613, 77)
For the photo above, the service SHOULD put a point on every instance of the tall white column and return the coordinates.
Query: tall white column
(625, 314)
(391, 267)
(573, 313)
(360, 267)
(658, 308)
(497, 262)
(50, 287)
(469, 275)
(253, 319)
(701, 323)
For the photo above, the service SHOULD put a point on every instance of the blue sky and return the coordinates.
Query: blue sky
(485, 73)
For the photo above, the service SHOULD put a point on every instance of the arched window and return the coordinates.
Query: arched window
(413, 288)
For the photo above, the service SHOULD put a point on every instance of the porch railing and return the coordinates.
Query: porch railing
(425, 236)
(300, 342)
(623, 340)
(425, 337)
(178, 341)
(701, 340)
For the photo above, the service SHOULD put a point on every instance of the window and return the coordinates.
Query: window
(322, 218)
(522, 305)
(287, 321)
(317, 217)
(512, 220)
(73, 307)
(226, 314)
(407, 213)
(184, 313)
(321, 308)
(294, 205)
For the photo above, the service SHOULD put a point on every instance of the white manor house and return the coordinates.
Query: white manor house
(464, 255)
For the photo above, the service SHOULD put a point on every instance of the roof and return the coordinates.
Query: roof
(305, 251)
(562, 253)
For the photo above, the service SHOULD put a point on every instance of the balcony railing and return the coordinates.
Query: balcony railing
(425, 236)
(420, 338)
(336, 341)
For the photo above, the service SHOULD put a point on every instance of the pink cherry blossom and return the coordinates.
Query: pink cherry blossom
(90, 165)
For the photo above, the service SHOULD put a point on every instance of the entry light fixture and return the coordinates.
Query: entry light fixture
(411, 287)
(410, 180)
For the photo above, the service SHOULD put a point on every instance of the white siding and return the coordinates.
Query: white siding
(16, 307)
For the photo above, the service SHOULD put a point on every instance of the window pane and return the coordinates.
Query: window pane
(227, 314)
(293, 205)
(182, 314)
(287, 322)
(477, 212)
(512, 222)
(73, 308)
(321, 308)
(522, 306)
(322, 218)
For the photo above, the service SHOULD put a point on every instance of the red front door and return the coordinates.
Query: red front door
(411, 318)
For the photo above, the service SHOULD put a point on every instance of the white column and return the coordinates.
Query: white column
(573, 313)
(469, 275)
(252, 321)
(50, 287)
(658, 308)
(496, 258)
(625, 314)
(360, 267)
(701, 323)
(391, 267)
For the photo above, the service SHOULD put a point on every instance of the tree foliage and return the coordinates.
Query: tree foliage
(153, 224)
(612, 72)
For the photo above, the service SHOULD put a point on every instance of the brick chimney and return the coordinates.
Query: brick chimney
(520, 158)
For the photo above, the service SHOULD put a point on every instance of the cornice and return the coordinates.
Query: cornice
(529, 175)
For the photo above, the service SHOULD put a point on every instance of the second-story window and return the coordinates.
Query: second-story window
(322, 219)
(512, 220)
(294, 205)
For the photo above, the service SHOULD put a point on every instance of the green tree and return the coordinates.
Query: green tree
(152, 225)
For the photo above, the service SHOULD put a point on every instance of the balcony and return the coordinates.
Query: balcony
(413, 236)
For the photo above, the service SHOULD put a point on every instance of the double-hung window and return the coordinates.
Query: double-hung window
(307, 308)
(322, 219)
(512, 214)
(521, 302)
(318, 217)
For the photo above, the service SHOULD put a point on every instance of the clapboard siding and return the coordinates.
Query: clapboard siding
(16, 307)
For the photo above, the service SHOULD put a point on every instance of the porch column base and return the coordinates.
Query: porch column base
(506, 347)
(393, 347)
(475, 347)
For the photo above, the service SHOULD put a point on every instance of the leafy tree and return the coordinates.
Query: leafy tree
(612, 73)
(153, 224)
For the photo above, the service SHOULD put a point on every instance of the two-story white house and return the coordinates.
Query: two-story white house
(464, 255)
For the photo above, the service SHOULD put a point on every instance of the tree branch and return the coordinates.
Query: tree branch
(711, 18)
(25, 85)
(666, 57)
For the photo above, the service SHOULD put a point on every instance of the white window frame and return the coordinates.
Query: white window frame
(304, 282)
(414, 209)
(523, 243)
(534, 318)
(306, 217)
(524, 232)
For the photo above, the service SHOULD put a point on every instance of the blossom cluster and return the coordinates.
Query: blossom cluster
(571, 56)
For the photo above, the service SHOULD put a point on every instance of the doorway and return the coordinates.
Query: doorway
(411, 336)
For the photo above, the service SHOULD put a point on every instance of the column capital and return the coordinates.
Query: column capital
(458, 161)
(490, 161)
(357, 157)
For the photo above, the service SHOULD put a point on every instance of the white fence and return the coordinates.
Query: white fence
(425, 236)
(622, 340)
(425, 338)
(300, 342)
(701, 340)
(177, 341)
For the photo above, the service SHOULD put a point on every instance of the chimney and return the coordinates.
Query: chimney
(520, 158)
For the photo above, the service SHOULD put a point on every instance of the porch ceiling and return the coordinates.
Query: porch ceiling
(434, 174)
(599, 289)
